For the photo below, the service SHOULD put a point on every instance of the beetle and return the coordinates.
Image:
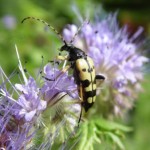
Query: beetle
(83, 70)
(84, 74)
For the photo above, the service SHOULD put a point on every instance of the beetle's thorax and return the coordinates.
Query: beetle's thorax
(74, 52)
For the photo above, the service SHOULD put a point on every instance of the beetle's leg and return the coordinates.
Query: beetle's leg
(64, 70)
(81, 98)
(80, 117)
(62, 58)
(59, 57)
(100, 77)
(48, 79)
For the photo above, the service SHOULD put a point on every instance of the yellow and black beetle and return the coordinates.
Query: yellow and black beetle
(83, 70)
(84, 74)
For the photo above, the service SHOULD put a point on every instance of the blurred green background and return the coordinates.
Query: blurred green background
(33, 42)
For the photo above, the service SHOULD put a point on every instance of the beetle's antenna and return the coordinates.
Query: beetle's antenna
(44, 22)
(86, 21)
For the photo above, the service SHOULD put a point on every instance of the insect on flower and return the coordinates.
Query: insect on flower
(83, 69)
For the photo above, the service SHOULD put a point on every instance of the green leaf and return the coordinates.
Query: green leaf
(115, 139)
(86, 138)
(97, 131)
(111, 126)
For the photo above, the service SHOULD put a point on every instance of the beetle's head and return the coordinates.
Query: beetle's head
(67, 47)
(74, 52)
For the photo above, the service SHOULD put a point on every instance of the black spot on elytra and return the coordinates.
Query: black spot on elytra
(85, 103)
(85, 83)
(90, 94)
(84, 70)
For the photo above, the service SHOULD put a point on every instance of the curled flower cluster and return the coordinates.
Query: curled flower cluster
(116, 56)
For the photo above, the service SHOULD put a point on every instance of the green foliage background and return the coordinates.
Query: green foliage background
(33, 42)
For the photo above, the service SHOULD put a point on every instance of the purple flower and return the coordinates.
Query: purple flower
(29, 101)
(9, 21)
(20, 109)
(116, 56)
(15, 133)
(60, 92)
(25, 105)
(57, 81)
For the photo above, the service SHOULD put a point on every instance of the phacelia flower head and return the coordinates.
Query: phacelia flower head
(57, 81)
(15, 132)
(23, 107)
(116, 56)
(29, 101)
(60, 91)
